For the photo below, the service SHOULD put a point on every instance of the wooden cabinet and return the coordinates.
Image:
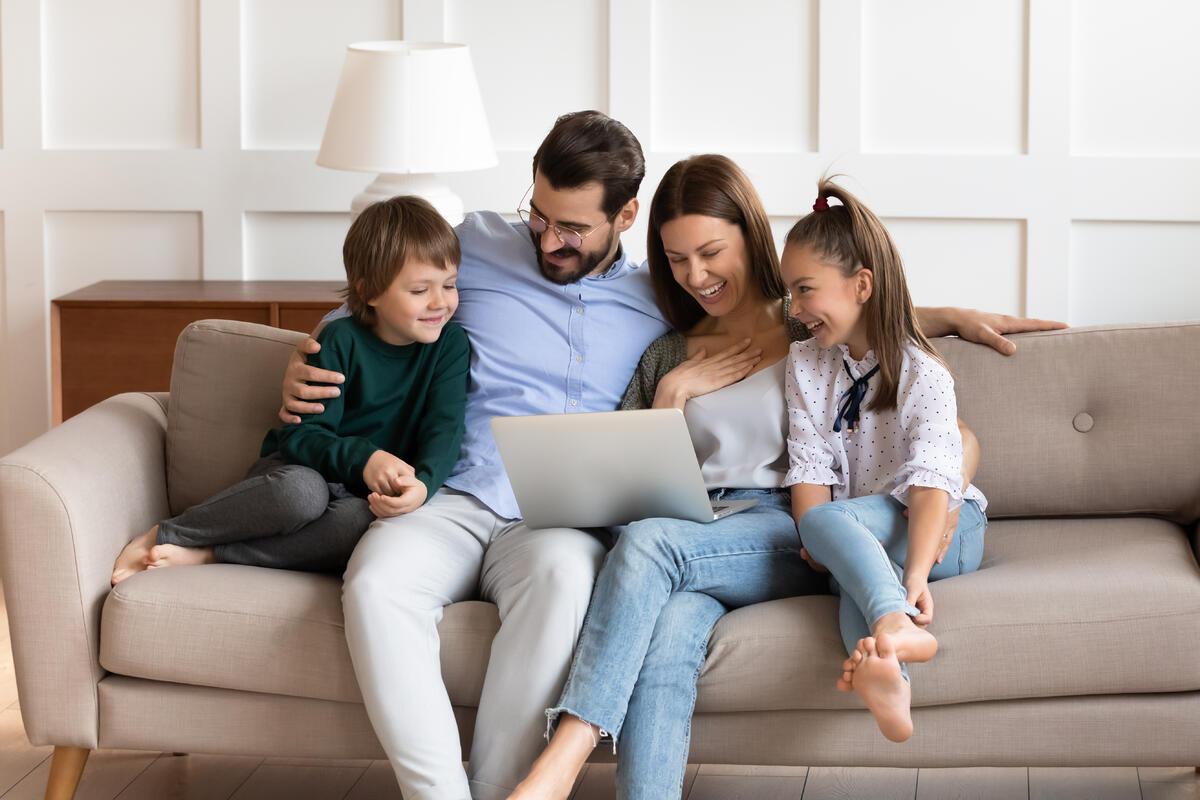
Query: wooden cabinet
(119, 336)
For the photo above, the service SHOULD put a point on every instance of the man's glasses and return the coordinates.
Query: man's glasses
(569, 237)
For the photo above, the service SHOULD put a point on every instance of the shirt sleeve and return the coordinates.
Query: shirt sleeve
(315, 442)
(640, 392)
(928, 414)
(810, 458)
(443, 420)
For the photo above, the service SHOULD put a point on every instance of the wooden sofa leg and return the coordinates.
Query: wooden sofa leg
(66, 767)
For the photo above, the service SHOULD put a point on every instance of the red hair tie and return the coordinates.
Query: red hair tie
(821, 205)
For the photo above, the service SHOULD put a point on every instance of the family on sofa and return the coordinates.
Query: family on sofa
(813, 373)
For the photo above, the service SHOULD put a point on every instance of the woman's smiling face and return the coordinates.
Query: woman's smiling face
(708, 260)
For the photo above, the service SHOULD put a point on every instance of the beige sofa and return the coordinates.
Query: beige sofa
(1077, 642)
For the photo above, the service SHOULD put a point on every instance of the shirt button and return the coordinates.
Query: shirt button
(579, 309)
(574, 402)
(579, 359)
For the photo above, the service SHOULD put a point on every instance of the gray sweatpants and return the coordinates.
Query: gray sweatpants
(405, 570)
(280, 515)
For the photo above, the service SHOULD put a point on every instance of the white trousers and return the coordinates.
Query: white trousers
(403, 572)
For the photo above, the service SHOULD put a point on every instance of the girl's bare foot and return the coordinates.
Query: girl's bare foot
(878, 681)
(133, 556)
(846, 682)
(553, 774)
(912, 644)
(172, 555)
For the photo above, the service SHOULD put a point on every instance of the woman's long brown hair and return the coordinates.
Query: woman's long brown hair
(853, 238)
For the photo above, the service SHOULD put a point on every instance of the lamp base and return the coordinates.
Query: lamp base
(426, 186)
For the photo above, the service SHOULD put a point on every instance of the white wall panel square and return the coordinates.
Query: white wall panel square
(941, 76)
(83, 247)
(535, 60)
(1134, 272)
(292, 54)
(1135, 78)
(734, 77)
(294, 246)
(121, 74)
(979, 263)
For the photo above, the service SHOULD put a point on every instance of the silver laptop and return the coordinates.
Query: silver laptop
(604, 469)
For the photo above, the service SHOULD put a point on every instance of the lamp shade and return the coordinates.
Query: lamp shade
(407, 107)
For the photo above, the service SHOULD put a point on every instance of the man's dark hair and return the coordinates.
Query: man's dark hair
(591, 147)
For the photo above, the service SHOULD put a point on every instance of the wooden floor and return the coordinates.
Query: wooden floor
(128, 775)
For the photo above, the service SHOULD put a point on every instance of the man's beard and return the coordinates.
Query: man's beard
(587, 263)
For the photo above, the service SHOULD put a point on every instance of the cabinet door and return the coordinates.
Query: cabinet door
(106, 351)
(303, 319)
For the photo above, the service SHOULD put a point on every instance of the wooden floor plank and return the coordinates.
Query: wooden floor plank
(191, 777)
(284, 782)
(377, 783)
(761, 771)
(17, 756)
(878, 783)
(746, 787)
(973, 783)
(1092, 783)
(1169, 783)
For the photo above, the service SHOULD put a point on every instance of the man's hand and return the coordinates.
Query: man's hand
(410, 494)
(297, 393)
(382, 471)
(982, 327)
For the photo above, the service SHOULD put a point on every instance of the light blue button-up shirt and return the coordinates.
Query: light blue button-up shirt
(538, 347)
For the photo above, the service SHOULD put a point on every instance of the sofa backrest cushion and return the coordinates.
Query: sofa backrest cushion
(1087, 421)
(224, 398)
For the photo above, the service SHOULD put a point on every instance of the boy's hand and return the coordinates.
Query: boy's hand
(382, 469)
(410, 495)
(919, 596)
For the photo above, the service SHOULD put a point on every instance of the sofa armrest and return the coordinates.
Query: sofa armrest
(69, 501)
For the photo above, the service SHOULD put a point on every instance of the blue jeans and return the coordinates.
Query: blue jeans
(864, 542)
(663, 587)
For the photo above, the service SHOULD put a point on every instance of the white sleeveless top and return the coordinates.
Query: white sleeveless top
(740, 432)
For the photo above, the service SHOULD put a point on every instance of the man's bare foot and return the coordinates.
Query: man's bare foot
(877, 680)
(132, 559)
(553, 774)
(913, 644)
(172, 555)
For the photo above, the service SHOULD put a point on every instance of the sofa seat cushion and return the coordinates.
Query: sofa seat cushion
(1059, 608)
(263, 630)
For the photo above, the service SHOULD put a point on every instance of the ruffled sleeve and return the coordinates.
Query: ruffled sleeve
(929, 416)
(810, 458)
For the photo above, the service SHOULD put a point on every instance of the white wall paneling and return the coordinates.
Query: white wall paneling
(85, 246)
(120, 74)
(1145, 101)
(1029, 155)
(941, 76)
(295, 246)
(1134, 271)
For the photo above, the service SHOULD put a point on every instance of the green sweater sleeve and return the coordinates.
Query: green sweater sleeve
(440, 429)
(314, 442)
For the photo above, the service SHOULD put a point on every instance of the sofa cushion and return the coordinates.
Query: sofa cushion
(225, 383)
(1090, 421)
(1059, 607)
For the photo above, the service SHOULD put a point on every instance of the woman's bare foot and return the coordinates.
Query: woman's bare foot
(912, 644)
(553, 774)
(132, 559)
(878, 681)
(172, 555)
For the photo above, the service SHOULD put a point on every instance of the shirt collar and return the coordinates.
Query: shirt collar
(859, 368)
(621, 265)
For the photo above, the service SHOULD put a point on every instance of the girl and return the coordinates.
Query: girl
(872, 428)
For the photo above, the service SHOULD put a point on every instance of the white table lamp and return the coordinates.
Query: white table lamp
(407, 110)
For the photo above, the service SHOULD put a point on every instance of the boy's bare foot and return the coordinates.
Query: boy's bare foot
(877, 680)
(912, 643)
(172, 555)
(132, 559)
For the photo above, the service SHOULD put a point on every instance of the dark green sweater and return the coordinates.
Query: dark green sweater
(406, 399)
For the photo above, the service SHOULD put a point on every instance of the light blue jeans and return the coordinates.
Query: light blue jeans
(663, 587)
(864, 542)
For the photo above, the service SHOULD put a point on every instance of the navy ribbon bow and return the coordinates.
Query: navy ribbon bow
(852, 398)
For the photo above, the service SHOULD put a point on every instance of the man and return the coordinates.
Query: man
(556, 326)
